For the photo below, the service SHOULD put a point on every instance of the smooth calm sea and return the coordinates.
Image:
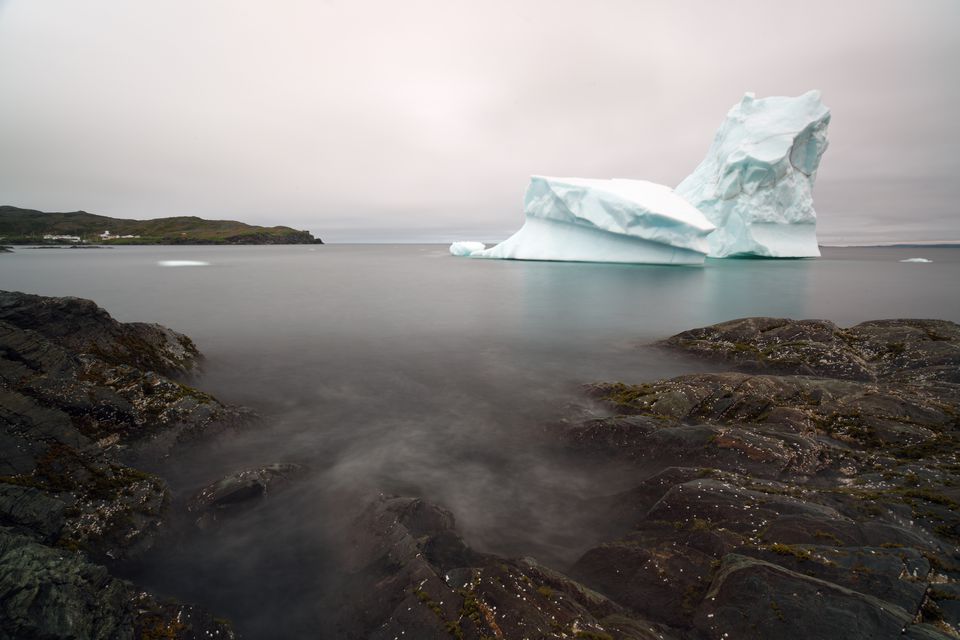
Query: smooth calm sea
(399, 368)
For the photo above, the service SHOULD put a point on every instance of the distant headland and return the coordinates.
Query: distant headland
(28, 226)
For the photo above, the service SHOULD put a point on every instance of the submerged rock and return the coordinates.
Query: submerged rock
(240, 491)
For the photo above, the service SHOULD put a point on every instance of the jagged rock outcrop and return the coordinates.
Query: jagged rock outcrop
(824, 483)
(884, 350)
(81, 327)
(75, 408)
(74, 363)
(411, 574)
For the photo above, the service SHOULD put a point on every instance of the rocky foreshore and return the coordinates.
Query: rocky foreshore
(82, 397)
(811, 491)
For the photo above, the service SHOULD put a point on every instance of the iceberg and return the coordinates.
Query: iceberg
(596, 220)
(756, 182)
(464, 248)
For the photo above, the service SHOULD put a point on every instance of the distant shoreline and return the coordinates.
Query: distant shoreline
(20, 226)
(926, 244)
(110, 245)
(10, 244)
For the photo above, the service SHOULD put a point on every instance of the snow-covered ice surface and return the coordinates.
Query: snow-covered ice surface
(756, 182)
(587, 220)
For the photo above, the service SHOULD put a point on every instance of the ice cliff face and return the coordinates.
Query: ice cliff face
(756, 183)
(586, 220)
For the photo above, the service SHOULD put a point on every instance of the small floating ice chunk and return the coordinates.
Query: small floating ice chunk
(465, 248)
(183, 263)
(916, 260)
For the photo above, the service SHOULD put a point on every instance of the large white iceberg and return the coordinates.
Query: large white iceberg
(751, 195)
(756, 183)
(586, 220)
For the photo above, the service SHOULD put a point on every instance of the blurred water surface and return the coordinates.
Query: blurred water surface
(399, 368)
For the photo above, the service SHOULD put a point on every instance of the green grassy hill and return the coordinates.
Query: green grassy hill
(27, 226)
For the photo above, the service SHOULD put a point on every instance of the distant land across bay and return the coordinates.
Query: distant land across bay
(931, 244)
(29, 226)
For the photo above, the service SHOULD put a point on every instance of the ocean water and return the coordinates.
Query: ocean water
(400, 369)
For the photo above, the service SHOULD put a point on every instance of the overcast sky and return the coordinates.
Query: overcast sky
(422, 120)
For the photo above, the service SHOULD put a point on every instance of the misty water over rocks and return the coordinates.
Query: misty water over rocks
(400, 369)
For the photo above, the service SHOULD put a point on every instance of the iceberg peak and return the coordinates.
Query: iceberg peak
(756, 182)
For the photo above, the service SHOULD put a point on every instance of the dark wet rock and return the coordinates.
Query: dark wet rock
(912, 351)
(656, 571)
(80, 399)
(82, 327)
(794, 424)
(32, 510)
(762, 451)
(67, 490)
(663, 567)
(750, 598)
(898, 575)
(812, 493)
(413, 576)
(908, 350)
(777, 345)
(5, 249)
(240, 491)
(53, 593)
(176, 621)
(46, 593)
(119, 406)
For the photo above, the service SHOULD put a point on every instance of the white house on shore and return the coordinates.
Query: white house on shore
(106, 235)
(75, 239)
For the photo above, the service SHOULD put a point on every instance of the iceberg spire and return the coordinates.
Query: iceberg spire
(756, 182)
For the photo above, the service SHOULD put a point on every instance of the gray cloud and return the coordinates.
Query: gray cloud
(422, 120)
